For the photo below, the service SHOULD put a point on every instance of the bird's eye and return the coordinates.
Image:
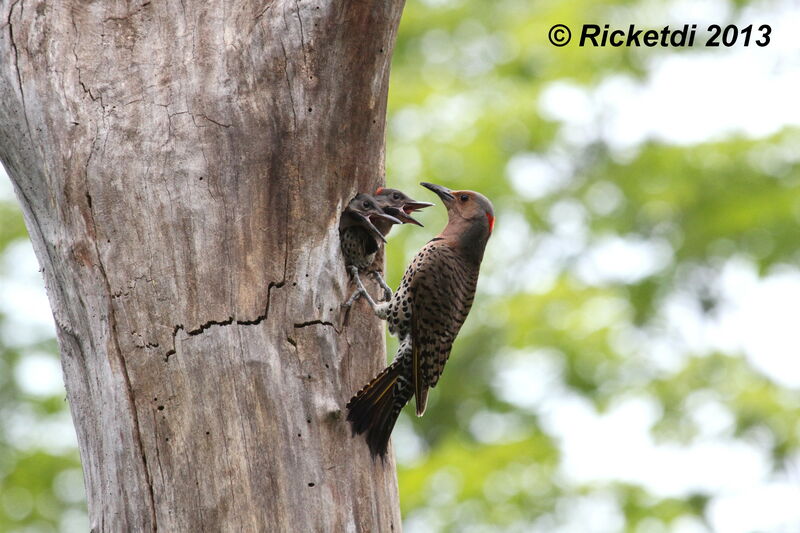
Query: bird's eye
(396, 196)
(366, 205)
(464, 197)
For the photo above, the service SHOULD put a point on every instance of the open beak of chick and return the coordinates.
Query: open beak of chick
(401, 215)
(410, 207)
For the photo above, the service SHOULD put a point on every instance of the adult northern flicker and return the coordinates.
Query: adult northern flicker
(358, 236)
(426, 313)
(396, 203)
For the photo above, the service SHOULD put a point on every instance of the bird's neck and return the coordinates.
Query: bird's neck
(348, 221)
(468, 239)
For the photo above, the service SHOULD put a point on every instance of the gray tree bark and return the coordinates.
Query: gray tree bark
(182, 166)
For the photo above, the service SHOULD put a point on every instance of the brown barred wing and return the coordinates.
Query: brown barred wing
(443, 287)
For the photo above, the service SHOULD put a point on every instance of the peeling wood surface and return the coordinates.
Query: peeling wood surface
(182, 166)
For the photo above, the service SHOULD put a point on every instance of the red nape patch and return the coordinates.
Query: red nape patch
(378, 190)
(490, 218)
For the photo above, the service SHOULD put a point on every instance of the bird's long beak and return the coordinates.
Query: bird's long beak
(371, 227)
(410, 207)
(443, 192)
(404, 217)
(387, 217)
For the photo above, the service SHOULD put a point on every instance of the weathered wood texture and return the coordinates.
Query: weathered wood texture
(182, 166)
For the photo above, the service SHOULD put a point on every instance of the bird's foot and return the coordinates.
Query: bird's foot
(350, 301)
(360, 290)
(387, 291)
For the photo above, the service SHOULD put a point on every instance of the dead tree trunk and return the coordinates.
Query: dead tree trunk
(182, 166)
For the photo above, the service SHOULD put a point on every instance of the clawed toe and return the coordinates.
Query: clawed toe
(356, 295)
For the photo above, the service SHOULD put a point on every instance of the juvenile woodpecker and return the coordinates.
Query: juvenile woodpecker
(358, 236)
(399, 205)
(425, 313)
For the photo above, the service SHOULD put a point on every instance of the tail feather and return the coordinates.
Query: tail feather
(375, 408)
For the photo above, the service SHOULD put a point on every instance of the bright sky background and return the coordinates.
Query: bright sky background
(754, 91)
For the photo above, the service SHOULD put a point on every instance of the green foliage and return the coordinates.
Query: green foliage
(13, 226)
(467, 81)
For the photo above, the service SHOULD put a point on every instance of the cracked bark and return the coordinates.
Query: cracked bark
(181, 167)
